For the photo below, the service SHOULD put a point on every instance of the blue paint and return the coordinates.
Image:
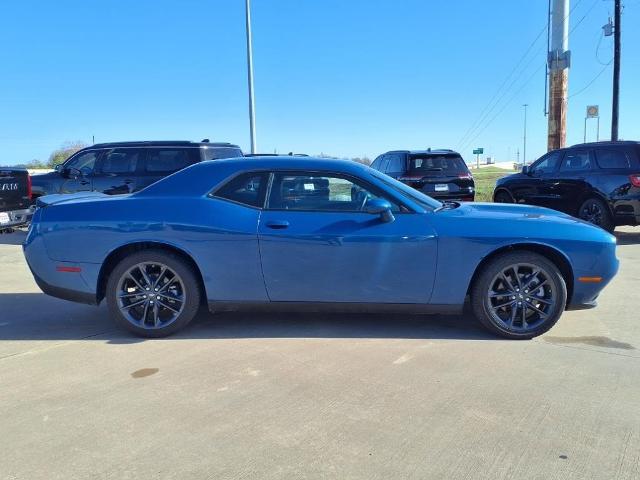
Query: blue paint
(426, 255)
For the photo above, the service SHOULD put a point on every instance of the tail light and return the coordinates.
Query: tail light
(466, 176)
(29, 193)
(635, 179)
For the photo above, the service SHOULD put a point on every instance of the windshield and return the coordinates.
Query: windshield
(440, 164)
(405, 191)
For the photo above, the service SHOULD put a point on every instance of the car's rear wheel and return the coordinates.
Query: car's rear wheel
(519, 295)
(502, 197)
(153, 293)
(595, 211)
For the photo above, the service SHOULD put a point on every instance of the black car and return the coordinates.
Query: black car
(441, 174)
(15, 198)
(125, 167)
(597, 182)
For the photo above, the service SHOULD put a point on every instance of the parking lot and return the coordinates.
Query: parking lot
(310, 395)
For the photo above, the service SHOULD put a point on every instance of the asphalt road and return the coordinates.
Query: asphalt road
(317, 396)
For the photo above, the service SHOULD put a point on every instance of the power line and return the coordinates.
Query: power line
(490, 105)
(505, 105)
(591, 81)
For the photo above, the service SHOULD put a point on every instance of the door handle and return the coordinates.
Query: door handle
(128, 181)
(278, 224)
(84, 182)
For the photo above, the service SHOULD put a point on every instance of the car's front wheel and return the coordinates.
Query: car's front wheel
(153, 293)
(502, 196)
(519, 295)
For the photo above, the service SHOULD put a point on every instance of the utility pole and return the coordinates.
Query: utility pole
(616, 73)
(559, 60)
(252, 111)
(524, 149)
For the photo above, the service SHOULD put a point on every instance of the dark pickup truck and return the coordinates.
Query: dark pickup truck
(15, 197)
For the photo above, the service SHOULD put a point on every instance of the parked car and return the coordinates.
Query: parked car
(15, 197)
(283, 232)
(126, 167)
(441, 174)
(597, 182)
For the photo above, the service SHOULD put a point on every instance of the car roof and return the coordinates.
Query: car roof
(607, 143)
(201, 177)
(428, 151)
(284, 162)
(163, 143)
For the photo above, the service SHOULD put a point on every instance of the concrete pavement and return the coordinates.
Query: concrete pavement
(317, 396)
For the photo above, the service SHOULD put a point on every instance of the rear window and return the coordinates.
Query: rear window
(247, 189)
(612, 159)
(214, 153)
(445, 164)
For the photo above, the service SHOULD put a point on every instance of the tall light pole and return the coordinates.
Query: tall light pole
(252, 110)
(524, 149)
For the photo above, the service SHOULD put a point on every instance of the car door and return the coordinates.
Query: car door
(534, 187)
(318, 245)
(117, 171)
(78, 173)
(163, 161)
(569, 185)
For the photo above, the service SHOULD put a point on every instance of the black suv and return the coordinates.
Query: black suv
(441, 174)
(597, 182)
(125, 167)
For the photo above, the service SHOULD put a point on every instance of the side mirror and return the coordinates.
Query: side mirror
(526, 170)
(380, 206)
(58, 168)
(73, 173)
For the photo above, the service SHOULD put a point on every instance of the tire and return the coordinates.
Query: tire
(596, 212)
(489, 299)
(153, 293)
(502, 196)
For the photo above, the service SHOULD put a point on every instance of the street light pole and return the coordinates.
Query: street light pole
(252, 111)
(524, 150)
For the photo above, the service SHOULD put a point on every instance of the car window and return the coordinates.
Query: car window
(396, 161)
(575, 160)
(321, 193)
(612, 159)
(84, 162)
(437, 164)
(376, 163)
(121, 160)
(214, 153)
(405, 191)
(167, 160)
(547, 164)
(384, 163)
(248, 189)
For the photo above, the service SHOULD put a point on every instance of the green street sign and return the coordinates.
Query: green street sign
(478, 151)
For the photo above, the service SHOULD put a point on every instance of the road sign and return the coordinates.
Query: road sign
(593, 111)
(478, 151)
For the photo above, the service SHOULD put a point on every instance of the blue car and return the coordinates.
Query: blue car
(292, 232)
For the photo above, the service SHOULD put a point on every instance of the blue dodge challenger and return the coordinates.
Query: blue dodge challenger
(312, 233)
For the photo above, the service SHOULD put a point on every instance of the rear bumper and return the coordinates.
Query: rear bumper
(54, 280)
(65, 293)
(18, 218)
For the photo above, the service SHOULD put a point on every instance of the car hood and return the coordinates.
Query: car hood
(507, 220)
